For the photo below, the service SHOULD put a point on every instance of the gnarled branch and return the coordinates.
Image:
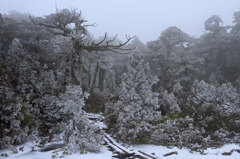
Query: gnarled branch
(106, 45)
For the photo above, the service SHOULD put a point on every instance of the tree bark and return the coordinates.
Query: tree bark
(94, 78)
(101, 79)
(77, 63)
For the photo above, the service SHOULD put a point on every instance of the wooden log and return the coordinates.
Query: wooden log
(230, 153)
(145, 155)
(170, 153)
(52, 147)
(123, 152)
(111, 142)
(227, 153)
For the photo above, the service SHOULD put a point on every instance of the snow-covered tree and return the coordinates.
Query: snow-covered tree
(173, 59)
(79, 133)
(213, 46)
(172, 37)
(213, 24)
(134, 111)
(72, 101)
(61, 23)
(21, 68)
(13, 126)
(213, 105)
(234, 48)
(98, 72)
(222, 100)
(169, 103)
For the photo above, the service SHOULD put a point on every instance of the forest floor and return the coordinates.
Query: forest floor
(112, 149)
(159, 151)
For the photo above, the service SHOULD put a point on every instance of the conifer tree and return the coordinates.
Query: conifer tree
(135, 111)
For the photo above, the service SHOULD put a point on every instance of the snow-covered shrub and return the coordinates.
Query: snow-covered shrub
(177, 88)
(176, 131)
(85, 137)
(72, 101)
(216, 109)
(168, 103)
(133, 111)
(20, 67)
(47, 112)
(79, 133)
(222, 100)
(12, 131)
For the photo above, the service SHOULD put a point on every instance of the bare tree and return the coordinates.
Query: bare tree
(62, 22)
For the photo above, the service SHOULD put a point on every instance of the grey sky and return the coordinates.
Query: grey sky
(143, 18)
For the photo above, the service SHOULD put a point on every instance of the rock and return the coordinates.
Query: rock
(4, 155)
(21, 148)
(15, 151)
(33, 149)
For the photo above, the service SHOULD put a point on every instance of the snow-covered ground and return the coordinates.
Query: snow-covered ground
(27, 153)
(159, 151)
(185, 154)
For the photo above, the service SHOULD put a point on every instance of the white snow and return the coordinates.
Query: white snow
(106, 154)
(185, 154)
(97, 119)
(28, 154)
(101, 125)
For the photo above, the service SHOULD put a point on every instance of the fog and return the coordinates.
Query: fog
(145, 19)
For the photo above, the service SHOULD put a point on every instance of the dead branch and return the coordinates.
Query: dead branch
(52, 27)
(105, 45)
(58, 24)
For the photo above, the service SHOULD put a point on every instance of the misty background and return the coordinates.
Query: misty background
(145, 19)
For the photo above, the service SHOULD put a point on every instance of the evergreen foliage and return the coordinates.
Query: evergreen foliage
(12, 129)
(131, 116)
(79, 133)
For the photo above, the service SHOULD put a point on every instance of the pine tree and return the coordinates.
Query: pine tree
(135, 110)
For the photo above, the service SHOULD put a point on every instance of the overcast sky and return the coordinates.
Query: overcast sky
(144, 18)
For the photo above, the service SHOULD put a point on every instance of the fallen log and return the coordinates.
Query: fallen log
(52, 147)
(123, 152)
(230, 153)
(170, 153)
(145, 155)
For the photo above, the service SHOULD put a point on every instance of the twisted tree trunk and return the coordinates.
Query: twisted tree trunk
(76, 66)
